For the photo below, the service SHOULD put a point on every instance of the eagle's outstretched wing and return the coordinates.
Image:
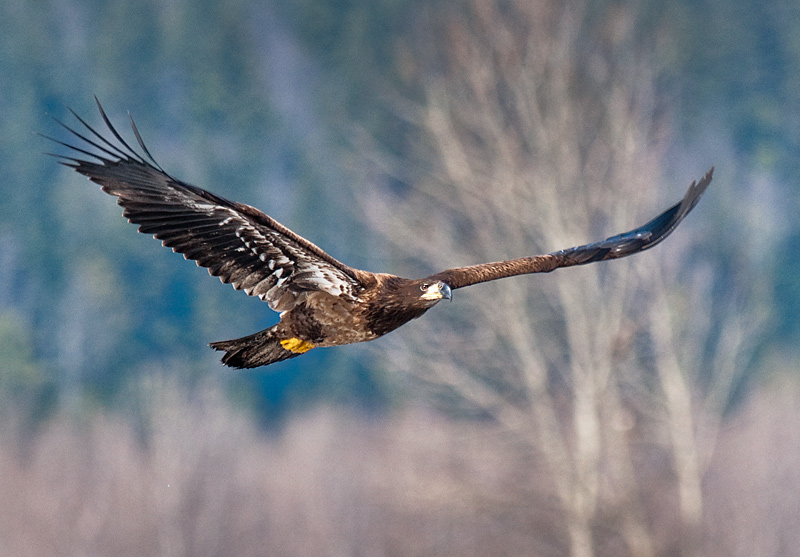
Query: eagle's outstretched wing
(622, 245)
(236, 242)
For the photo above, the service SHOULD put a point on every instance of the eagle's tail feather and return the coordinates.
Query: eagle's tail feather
(259, 349)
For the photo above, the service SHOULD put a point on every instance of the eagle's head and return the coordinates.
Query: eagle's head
(431, 292)
(399, 300)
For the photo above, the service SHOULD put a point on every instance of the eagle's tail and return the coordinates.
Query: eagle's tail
(259, 349)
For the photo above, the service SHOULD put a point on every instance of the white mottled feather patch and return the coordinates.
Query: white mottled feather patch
(293, 271)
(201, 207)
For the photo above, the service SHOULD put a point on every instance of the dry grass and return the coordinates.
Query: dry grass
(753, 482)
(191, 476)
(187, 475)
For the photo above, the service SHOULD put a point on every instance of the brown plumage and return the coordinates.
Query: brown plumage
(321, 301)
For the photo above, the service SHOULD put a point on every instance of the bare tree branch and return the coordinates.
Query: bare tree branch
(537, 133)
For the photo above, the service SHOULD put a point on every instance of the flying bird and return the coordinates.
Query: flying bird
(321, 301)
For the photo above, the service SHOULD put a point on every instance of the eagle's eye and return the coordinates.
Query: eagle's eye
(424, 286)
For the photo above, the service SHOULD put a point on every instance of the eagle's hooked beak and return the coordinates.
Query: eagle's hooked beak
(446, 291)
(438, 291)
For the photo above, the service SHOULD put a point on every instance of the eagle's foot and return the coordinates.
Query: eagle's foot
(297, 345)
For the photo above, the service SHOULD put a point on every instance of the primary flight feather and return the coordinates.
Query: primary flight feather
(321, 301)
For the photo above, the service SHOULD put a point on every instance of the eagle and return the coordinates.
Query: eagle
(322, 302)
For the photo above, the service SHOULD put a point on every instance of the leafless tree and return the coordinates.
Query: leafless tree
(540, 132)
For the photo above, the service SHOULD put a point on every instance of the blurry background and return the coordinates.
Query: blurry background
(644, 407)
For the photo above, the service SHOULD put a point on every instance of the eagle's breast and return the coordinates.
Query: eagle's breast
(328, 320)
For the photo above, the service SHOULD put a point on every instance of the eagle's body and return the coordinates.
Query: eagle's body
(322, 302)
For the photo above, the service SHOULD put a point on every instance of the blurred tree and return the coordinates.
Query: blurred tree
(259, 101)
(21, 371)
(735, 69)
(202, 83)
(541, 129)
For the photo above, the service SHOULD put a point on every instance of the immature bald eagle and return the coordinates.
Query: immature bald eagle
(321, 301)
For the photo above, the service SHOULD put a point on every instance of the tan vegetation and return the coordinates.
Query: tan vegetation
(191, 476)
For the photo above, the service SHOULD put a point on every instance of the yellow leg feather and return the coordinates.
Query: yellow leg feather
(296, 345)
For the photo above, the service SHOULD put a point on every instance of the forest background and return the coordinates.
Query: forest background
(644, 407)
